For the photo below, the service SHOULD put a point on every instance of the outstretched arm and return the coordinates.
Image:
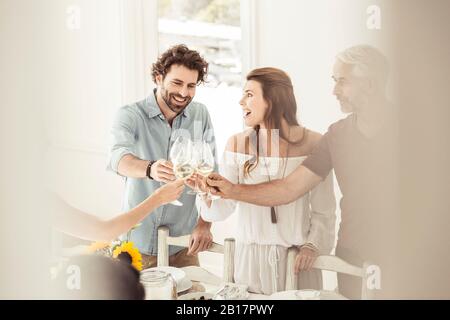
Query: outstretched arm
(276, 192)
(282, 191)
(75, 222)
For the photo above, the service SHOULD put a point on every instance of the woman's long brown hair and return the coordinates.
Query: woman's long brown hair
(278, 92)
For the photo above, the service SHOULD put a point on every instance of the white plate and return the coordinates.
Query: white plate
(177, 274)
(283, 295)
(331, 295)
(185, 284)
(308, 294)
(290, 295)
(196, 296)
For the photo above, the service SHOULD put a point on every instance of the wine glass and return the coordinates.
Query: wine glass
(206, 165)
(180, 155)
(196, 160)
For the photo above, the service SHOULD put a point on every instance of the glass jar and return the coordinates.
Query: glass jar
(158, 285)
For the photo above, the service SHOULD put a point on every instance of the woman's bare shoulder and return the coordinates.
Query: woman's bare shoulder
(308, 141)
(314, 137)
(236, 143)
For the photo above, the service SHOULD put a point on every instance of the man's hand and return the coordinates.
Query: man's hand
(220, 186)
(201, 238)
(162, 171)
(305, 259)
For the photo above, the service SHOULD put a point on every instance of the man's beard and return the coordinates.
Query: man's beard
(355, 104)
(169, 100)
(346, 107)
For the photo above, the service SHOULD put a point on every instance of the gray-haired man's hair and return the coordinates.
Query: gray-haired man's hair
(368, 62)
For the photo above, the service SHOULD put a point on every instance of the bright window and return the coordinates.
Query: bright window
(212, 27)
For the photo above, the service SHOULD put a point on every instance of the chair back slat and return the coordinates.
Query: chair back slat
(328, 263)
(227, 249)
(333, 263)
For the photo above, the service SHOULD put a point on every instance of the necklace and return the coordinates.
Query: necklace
(273, 213)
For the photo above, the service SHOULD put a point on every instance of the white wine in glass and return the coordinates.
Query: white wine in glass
(205, 169)
(196, 159)
(207, 165)
(180, 155)
(183, 171)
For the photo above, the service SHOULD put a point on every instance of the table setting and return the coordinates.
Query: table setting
(161, 283)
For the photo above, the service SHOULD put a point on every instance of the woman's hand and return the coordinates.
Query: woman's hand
(197, 182)
(169, 192)
(305, 258)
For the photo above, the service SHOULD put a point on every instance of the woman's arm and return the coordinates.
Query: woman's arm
(275, 193)
(75, 222)
(281, 191)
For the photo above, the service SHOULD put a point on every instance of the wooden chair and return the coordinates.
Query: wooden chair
(329, 263)
(197, 273)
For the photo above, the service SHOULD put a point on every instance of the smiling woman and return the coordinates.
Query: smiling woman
(253, 103)
(273, 149)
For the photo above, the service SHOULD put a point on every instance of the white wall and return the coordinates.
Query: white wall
(302, 37)
(101, 51)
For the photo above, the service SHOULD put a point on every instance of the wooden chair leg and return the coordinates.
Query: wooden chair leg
(228, 260)
(291, 277)
(163, 247)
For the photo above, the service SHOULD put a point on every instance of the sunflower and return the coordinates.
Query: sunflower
(128, 253)
(95, 247)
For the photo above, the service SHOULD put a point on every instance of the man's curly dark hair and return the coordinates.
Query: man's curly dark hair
(181, 55)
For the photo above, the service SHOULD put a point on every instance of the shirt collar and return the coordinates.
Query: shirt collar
(153, 108)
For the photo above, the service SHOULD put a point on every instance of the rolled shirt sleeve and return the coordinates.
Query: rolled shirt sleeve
(123, 137)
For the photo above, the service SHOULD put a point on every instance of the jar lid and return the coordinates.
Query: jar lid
(154, 276)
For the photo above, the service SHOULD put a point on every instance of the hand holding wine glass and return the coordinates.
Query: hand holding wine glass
(196, 160)
(206, 166)
(180, 155)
